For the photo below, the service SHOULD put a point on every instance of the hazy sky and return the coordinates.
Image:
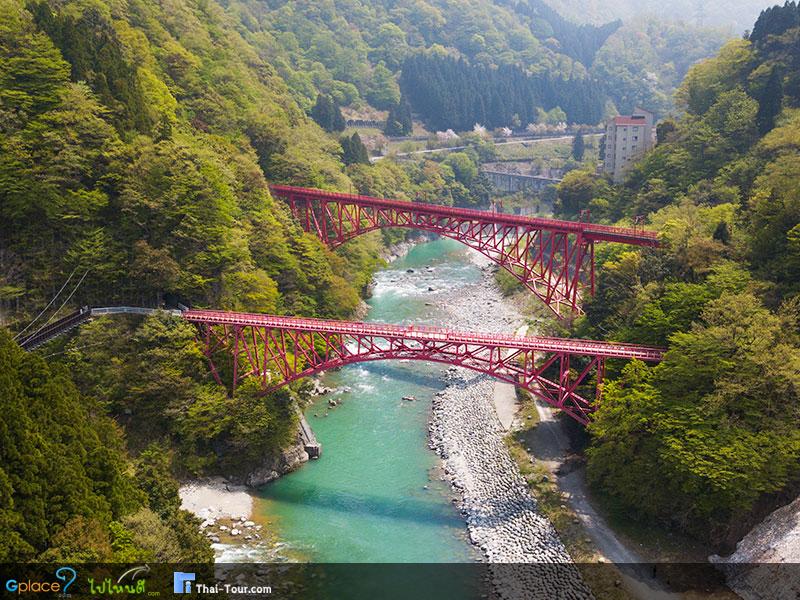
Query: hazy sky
(738, 14)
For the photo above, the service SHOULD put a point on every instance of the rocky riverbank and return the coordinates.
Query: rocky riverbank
(226, 510)
(501, 515)
(225, 507)
(394, 251)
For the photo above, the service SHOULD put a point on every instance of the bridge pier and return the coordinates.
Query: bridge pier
(310, 444)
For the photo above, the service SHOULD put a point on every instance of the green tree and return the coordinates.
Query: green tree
(353, 150)
(327, 114)
(155, 479)
(578, 146)
(711, 470)
(770, 101)
(576, 192)
(32, 72)
(383, 91)
(62, 460)
(463, 166)
(398, 122)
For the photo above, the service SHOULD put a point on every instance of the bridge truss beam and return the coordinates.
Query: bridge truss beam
(279, 350)
(551, 258)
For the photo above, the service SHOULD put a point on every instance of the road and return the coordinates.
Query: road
(550, 445)
(537, 140)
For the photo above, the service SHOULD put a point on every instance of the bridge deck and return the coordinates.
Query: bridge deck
(594, 231)
(409, 332)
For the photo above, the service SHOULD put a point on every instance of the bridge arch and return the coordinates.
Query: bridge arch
(551, 258)
(279, 350)
(562, 293)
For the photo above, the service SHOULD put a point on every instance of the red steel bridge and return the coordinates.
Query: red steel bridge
(278, 350)
(552, 258)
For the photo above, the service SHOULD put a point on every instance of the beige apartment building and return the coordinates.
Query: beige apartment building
(627, 139)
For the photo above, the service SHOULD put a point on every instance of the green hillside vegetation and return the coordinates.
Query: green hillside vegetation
(355, 52)
(68, 490)
(644, 62)
(360, 52)
(710, 438)
(136, 142)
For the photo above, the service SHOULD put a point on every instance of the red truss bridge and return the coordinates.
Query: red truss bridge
(278, 350)
(554, 259)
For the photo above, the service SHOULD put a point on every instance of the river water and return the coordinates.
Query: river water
(376, 495)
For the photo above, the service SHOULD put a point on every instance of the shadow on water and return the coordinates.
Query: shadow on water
(498, 510)
(409, 509)
(411, 374)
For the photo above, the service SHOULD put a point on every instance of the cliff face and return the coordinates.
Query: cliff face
(763, 565)
(288, 460)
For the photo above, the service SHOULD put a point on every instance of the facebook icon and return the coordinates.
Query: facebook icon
(182, 582)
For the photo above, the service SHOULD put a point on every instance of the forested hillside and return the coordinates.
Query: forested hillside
(710, 438)
(450, 93)
(134, 146)
(68, 491)
(355, 51)
(643, 63)
(136, 142)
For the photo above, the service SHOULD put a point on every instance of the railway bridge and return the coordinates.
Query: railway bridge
(552, 258)
(277, 350)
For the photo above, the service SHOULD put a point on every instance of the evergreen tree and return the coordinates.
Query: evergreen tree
(327, 114)
(770, 101)
(722, 233)
(398, 122)
(578, 146)
(353, 150)
(663, 129)
(452, 93)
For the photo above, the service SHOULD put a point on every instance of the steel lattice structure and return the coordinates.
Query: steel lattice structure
(278, 350)
(552, 258)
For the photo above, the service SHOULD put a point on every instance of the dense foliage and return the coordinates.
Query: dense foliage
(355, 51)
(398, 121)
(135, 144)
(709, 438)
(139, 164)
(68, 490)
(644, 62)
(328, 114)
(353, 150)
(451, 93)
(579, 41)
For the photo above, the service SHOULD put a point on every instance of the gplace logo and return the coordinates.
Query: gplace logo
(66, 574)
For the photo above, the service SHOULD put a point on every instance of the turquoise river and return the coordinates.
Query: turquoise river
(375, 495)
